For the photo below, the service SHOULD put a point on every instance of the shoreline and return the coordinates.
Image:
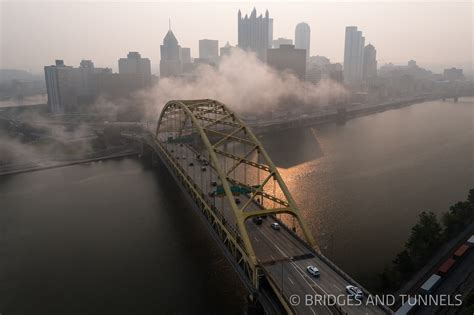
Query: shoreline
(259, 130)
(340, 115)
(68, 163)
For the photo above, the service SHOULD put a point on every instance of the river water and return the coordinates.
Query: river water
(118, 237)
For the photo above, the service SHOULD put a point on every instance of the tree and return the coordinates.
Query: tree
(425, 238)
(470, 197)
(404, 264)
(459, 216)
(389, 279)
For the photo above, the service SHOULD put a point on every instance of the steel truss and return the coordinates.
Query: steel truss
(209, 128)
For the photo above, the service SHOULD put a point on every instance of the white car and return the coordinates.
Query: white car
(275, 226)
(354, 292)
(313, 270)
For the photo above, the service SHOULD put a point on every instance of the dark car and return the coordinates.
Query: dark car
(257, 220)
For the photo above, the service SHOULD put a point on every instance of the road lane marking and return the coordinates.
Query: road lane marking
(291, 281)
(304, 279)
(294, 264)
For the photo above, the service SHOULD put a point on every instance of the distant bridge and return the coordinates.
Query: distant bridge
(232, 182)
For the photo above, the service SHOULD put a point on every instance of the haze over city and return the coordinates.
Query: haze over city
(33, 34)
(244, 157)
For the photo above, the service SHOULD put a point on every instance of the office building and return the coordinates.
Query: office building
(185, 55)
(69, 88)
(453, 74)
(287, 58)
(255, 33)
(281, 41)
(303, 37)
(226, 50)
(209, 49)
(136, 65)
(370, 62)
(320, 68)
(186, 60)
(170, 63)
(353, 55)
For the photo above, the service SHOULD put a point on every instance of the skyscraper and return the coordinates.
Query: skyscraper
(209, 49)
(170, 63)
(370, 62)
(134, 64)
(353, 55)
(226, 50)
(185, 55)
(255, 33)
(287, 58)
(68, 88)
(303, 37)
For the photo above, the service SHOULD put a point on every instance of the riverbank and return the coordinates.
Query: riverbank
(442, 254)
(340, 115)
(266, 127)
(17, 169)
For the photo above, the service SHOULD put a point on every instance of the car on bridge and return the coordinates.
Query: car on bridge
(257, 220)
(354, 292)
(313, 270)
(275, 226)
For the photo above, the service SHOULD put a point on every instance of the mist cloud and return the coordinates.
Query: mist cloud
(242, 82)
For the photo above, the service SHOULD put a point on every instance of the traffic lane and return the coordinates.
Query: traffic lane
(203, 179)
(308, 286)
(264, 250)
(286, 275)
(287, 241)
(294, 283)
(329, 282)
(263, 247)
(290, 245)
(333, 284)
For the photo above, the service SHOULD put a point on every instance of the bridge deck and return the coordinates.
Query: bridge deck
(283, 256)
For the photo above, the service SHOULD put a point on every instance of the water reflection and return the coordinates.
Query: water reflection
(361, 185)
(115, 237)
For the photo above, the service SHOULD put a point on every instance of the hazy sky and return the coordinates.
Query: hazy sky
(35, 33)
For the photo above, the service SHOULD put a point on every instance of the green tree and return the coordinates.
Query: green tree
(404, 264)
(459, 216)
(425, 238)
(470, 197)
(389, 279)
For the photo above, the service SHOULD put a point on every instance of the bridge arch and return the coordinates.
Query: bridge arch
(240, 175)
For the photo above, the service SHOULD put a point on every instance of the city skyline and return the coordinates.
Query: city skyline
(254, 158)
(328, 37)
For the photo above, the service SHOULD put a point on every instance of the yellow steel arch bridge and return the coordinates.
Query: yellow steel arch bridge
(232, 181)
